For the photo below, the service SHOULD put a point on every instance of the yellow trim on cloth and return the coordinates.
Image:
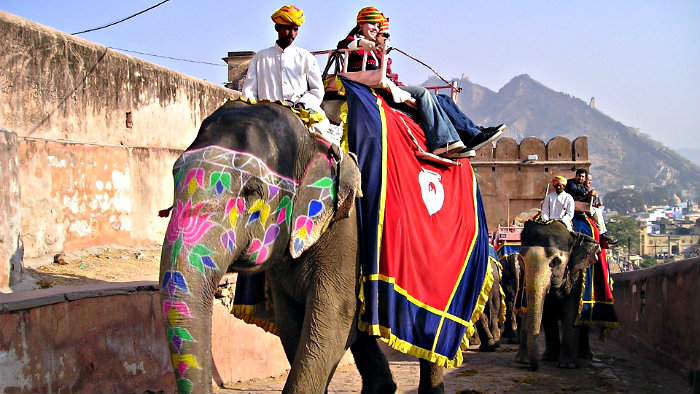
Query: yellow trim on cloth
(391, 340)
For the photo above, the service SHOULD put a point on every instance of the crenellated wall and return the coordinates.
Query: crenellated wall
(512, 183)
(97, 132)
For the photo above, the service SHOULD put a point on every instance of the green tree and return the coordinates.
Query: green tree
(626, 230)
(648, 262)
(625, 201)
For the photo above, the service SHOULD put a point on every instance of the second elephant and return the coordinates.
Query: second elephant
(554, 260)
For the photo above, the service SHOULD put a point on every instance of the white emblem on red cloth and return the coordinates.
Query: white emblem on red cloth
(432, 191)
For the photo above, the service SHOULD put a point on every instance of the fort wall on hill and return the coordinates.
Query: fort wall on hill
(514, 178)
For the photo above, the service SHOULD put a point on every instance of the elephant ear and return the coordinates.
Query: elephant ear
(327, 192)
(583, 252)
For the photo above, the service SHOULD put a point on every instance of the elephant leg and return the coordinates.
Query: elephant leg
(522, 355)
(495, 329)
(584, 346)
(316, 345)
(550, 324)
(568, 357)
(290, 320)
(372, 365)
(483, 329)
(431, 378)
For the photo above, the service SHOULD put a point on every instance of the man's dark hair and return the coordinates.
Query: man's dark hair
(581, 171)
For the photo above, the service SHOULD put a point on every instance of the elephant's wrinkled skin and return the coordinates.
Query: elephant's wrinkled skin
(510, 283)
(487, 329)
(254, 192)
(554, 261)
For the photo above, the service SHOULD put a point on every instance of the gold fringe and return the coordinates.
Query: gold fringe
(246, 313)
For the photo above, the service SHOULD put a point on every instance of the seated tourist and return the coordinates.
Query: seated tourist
(581, 191)
(442, 138)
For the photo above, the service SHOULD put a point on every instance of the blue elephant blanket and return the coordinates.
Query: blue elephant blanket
(423, 236)
(597, 305)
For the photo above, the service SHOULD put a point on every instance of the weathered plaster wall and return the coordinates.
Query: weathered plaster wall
(659, 313)
(109, 338)
(11, 249)
(97, 132)
(511, 184)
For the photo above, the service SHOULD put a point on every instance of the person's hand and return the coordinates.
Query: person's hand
(367, 45)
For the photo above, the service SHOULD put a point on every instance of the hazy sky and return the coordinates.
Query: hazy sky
(640, 59)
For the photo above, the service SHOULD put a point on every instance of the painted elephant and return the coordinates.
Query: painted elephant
(510, 283)
(554, 260)
(255, 192)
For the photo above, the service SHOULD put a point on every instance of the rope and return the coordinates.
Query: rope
(459, 88)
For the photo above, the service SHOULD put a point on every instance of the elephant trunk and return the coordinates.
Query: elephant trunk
(537, 275)
(187, 309)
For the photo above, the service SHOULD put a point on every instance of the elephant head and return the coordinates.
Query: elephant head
(252, 190)
(554, 258)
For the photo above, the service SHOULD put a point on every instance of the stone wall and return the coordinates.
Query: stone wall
(97, 134)
(11, 249)
(109, 338)
(512, 180)
(659, 313)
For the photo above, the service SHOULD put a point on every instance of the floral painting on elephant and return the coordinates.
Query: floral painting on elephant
(424, 239)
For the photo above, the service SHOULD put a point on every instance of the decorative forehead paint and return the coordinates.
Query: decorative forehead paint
(208, 210)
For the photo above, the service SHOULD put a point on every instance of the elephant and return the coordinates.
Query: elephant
(510, 283)
(487, 327)
(554, 259)
(255, 192)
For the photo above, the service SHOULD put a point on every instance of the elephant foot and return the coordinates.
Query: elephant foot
(497, 344)
(389, 388)
(521, 358)
(586, 355)
(567, 364)
(439, 389)
(487, 348)
(547, 356)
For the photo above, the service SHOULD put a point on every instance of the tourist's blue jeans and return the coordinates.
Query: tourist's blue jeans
(464, 126)
(437, 126)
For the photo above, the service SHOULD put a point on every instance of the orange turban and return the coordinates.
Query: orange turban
(559, 180)
(369, 15)
(288, 15)
(384, 26)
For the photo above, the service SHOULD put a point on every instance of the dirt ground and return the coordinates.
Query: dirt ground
(93, 265)
(613, 369)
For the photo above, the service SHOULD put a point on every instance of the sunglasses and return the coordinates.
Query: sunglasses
(385, 35)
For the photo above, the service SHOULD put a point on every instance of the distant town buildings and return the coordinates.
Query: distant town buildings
(669, 231)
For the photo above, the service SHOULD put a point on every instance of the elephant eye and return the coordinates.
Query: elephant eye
(554, 262)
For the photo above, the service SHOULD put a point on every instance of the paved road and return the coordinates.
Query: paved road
(612, 370)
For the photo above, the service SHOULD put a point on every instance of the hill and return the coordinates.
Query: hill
(619, 155)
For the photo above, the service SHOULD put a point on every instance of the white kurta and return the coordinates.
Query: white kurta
(558, 206)
(290, 75)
